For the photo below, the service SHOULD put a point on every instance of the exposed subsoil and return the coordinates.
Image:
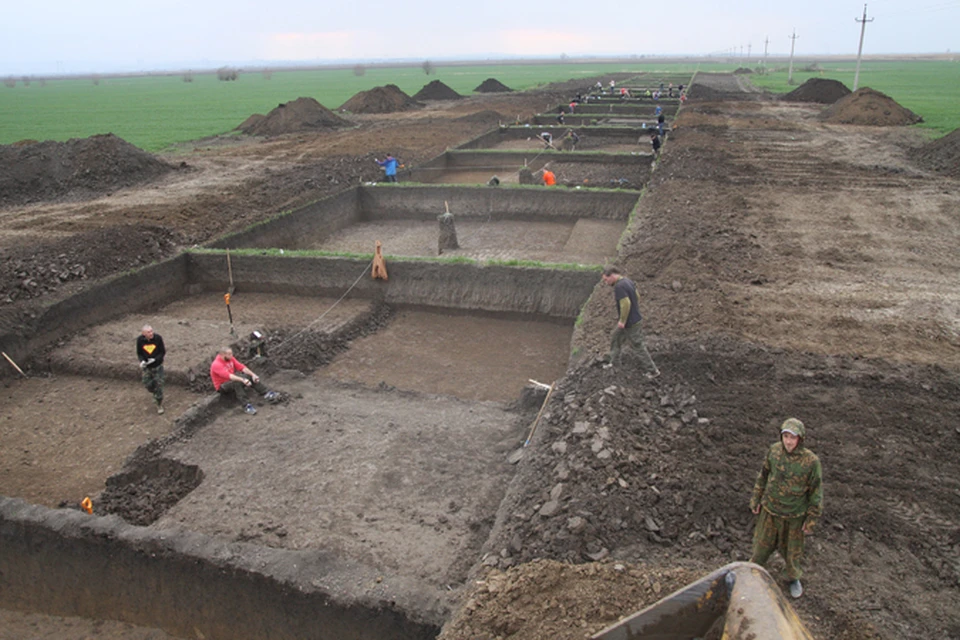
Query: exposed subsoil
(786, 266)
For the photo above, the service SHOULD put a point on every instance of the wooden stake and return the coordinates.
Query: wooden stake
(446, 206)
(230, 272)
(10, 360)
(539, 415)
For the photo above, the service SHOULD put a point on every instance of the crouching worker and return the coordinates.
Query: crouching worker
(230, 376)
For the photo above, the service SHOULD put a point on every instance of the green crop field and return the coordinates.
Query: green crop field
(930, 89)
(154, 112)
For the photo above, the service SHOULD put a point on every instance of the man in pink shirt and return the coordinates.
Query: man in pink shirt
(229, 375)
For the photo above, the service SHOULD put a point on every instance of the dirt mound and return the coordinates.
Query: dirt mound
(386, 99)
(436, 90)
(868, 107)
(492, 85)
(80, 168)
(742, 70)
(822, 90)
(29, 272)
(302, 114)
(942, 156)
(486, 116)
(547, 600)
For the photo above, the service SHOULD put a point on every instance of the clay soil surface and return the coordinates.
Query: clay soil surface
(786, 266)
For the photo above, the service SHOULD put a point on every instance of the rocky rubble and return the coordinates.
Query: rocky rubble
(618, 462)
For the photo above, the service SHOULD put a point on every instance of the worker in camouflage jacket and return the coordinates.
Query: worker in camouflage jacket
(788, 498)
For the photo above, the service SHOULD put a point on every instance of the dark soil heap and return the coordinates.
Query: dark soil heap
(822, 90)
(29, 272)
(573, 601)
(387, 99)
(436, 90)
(492, 85)
(742, 70)
(942, 156)
(80, 168)
(868, 107)
(302, 114)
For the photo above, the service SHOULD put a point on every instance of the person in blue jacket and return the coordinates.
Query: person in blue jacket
(389, 165)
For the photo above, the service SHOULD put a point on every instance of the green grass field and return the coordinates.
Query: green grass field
(928, 88)
(154, 112)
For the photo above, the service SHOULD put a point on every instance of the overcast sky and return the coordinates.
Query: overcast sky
(67, 36)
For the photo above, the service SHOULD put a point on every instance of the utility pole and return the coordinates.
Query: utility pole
(863, 27)
(766, 41)
(749, 48)
(793, 42)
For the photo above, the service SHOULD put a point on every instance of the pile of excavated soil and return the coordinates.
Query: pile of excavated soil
(80, 168)
(942, 156)
(822, 90)
(386, 99)
(548, 600)
(436, 90)
(27, 272)
(742, 70)
(302, 114)
(492, 85)
(868, 107)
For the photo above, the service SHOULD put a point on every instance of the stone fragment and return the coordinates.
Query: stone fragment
(551, 508)
(576, 524)
(581, 426)
(559, 447)
(515, 457)
(557, 491)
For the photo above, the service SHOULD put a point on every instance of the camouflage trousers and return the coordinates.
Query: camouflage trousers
(153, 381)
(632, 335)
(785, 535)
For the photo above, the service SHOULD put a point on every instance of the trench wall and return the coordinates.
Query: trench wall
(64, 562)
(498, 135)
(511, 160)
(494, 288)
(616, 108)
(516, 203)
(290, 230)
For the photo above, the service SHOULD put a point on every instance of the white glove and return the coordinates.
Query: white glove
(144, 363)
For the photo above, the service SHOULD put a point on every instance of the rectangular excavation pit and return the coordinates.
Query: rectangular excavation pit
(615, 108)
(347, 511)
(589, 169)
(592, 138)
(514, 223)
(599, 119)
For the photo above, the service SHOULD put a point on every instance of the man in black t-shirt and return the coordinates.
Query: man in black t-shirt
(150, 352)
(628, 322)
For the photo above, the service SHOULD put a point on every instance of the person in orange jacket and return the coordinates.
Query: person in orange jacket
(549, 179)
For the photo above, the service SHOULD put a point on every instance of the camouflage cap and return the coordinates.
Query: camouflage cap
(794, 426)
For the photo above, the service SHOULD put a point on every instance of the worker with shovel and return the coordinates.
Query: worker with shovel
(788, 498)
(150, 353)
(230, 376)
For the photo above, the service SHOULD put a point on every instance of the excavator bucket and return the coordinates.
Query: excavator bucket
(735, 602)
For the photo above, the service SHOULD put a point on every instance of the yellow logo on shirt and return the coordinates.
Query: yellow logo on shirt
(149, 348)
